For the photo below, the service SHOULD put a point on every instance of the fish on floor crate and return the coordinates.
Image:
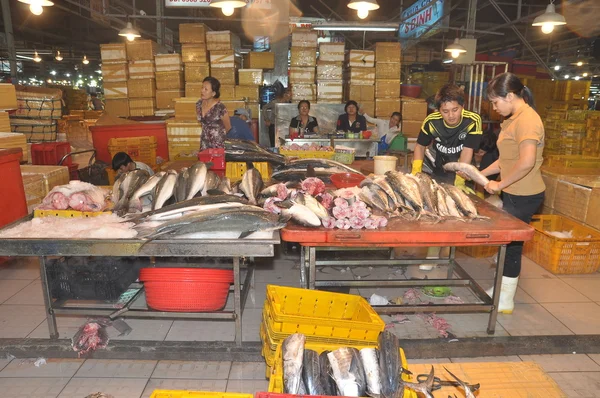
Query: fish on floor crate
(141, 149)
(577, 255)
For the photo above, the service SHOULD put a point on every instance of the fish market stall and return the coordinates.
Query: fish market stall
(235, 249)
(495, 228)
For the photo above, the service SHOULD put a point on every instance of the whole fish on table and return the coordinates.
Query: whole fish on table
(300, 169)
(292, 350)
(371, 364)
(299, 213)
(390, 365)
(181, 185)
(164, 190)
(348, 372)
(463, 202)
(469, 170)
(327, 381)
(252, 184)
(147, 188)
(211, 184)
(247, 151)
(131, 181)
(311, 373)
(196, 179)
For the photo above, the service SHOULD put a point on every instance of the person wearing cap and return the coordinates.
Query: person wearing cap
(122, 163)
(239, 126)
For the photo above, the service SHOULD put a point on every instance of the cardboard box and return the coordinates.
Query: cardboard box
(260, 60)
(193, 90)
(193, 53)
(223, 59)
(387, 70)
(4, 122)
(117, 107)
(113, 53)
(231, 106)
(414, 109)
(34, 190)
(141, 70)
(145, 88)
(141, 50)
(572, 200)
(224, 75)
(302, 75)
(185, 109)
(332, 52)
(303, 56)
(330, 70)
(304, 92)
(592, 217)
(411, 128)
(304, 38)
(361, 59)
(384, 107)
(330, 91)
(361, 76)
(165, 99)
(249, 77)
(388, 52)
(192, 33)
(254, 108)
(115, 72)
(387, 88)
(222, 40)
(360, 93)
(196, 72)
(248, 93)
(142, 106)
(367, 106)
(169, 80)
(227, 92)
(8, 96)
(114, 90)
(550, 180)
(168, 62)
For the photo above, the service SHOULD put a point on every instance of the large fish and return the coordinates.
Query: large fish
(383, 183)
(348, 371)
(146, 189)
(164, 189)
(248, 151)
(181, 186)
(313, 205)
(296, 170)
(463, 202)
(389, 363)
(252, 184)
(327, 381)
(196, 179)
(425, 387)
(427, 189)
(292, 350)
(131, 181)
(469, 390)
(299, 213)
(374, 197)
(469, 170)
(212, 182)
(311, 373)
(407, 186)
(371, 365)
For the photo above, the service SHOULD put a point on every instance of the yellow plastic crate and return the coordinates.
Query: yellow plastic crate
(196, 394)
(323, 314)
(235, 170)
(579, 255)
(141, 149)
(573, 161)
(276, 380)
(308, 154)
(68, 213)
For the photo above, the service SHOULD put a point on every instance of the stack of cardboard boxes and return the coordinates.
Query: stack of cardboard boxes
(592, 134)
(387, 79)
(414, 112)
(223, 47)
(169, 80)
(141, 85)
(360, 79)
(574, 132)
(114, 77)
(330, 73)
(248, 89)
(303, 65)
(194, 57)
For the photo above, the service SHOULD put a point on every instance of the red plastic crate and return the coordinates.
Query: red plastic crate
(50, 153)
(214, 155)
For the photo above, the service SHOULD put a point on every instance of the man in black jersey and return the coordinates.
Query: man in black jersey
(453, 133)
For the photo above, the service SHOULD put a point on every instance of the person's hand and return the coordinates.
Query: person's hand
(361, 111)
(493, 187)
(417, 167)
(463, 176)
(459, 182)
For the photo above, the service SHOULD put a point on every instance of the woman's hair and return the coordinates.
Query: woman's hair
(307, 102)
(488, 141)
(448, 93)
(214, 84)
(397, 114)
(351, 102)
(506, 83)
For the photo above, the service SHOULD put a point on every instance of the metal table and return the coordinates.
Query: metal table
(232, 248)
(499, 230)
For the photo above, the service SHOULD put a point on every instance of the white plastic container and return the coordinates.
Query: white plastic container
(384, 163)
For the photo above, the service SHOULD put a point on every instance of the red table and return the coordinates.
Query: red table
(499, 230)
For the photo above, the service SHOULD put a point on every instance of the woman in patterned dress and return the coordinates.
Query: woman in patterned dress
(212, 114)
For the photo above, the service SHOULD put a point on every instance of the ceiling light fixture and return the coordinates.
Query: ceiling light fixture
(58, 57)
(356, 26)
(585, 75)
(549, 19)
(85, 61)
(129, 32)
(579, 63)
(455, 49)
(577, 78)
(363, 7)
(227, 6)
(566, 76)
(557, 67)
(36, 57)
(37, 6)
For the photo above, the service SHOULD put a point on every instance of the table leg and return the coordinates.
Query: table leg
(312, 262)
(50, 317)
(451, 262)
(303, 282)
(237, 300)
(497, 286)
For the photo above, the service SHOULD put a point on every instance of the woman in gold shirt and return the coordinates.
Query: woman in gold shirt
(521, 143)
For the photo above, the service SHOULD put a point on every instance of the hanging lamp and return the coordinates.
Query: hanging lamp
(129, 32)
(227, 6)
(58, 57)
(363, 7)
(85, 61)
(37, 6)
(549, 19)
(455, 49)
(36, 57)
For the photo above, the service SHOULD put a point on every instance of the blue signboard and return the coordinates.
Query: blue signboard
(421, 19)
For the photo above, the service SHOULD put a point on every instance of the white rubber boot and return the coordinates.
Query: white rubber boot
(508, 290)
(433, 253)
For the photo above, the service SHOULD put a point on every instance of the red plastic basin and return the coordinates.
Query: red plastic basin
(346, 180)
(410, 90)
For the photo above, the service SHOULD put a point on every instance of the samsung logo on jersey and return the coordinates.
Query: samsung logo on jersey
(454, 150)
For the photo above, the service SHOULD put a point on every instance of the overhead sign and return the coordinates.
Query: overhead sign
(260, 4)
(423, 19)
